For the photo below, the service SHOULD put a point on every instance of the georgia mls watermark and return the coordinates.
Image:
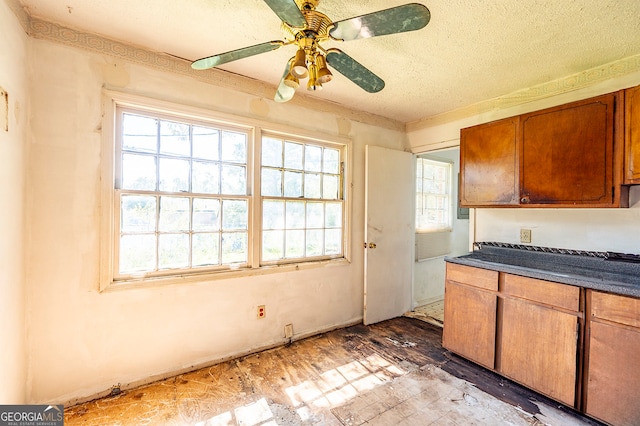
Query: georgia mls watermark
(31, 415)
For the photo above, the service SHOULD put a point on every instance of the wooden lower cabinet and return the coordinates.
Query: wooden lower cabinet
(530, 331)
(613, 373)
(470, 313)
(470, 323)
(539, 348)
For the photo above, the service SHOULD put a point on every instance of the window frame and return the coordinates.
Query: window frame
(449, 194)
(114, 101)
(342, 191)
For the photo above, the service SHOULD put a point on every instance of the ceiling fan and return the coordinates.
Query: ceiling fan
(307, 28)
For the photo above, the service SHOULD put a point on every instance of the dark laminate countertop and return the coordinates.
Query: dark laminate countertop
(594, 270)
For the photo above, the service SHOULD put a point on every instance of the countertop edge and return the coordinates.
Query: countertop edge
(584, 281)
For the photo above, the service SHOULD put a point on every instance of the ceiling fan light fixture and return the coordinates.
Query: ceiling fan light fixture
(299, 68)
(291, 81)
(323, 74)
(313, 83)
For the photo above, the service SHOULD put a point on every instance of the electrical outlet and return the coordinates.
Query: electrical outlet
(288, 331)
(261, 311)
(525, 235)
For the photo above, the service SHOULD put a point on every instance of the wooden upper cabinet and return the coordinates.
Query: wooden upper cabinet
(632, 136)
(567, 154)
(489, 164)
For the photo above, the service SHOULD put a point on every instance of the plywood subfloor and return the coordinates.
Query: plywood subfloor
(390, 373)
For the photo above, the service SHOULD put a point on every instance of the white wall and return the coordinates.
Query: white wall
(616, 230)
(82, 342)
(582, 229)
(13, 67)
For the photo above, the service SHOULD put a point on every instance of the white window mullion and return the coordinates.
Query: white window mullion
(255, 199)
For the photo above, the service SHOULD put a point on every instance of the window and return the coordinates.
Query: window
(433, 195)
(302, 206)
(189, 198)
(181, 195)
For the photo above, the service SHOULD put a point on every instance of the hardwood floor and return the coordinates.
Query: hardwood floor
(390, 373)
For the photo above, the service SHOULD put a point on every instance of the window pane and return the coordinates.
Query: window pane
(139, 133)
(174, 175)
(293, 155)
(234, 215)
(271, 152)
(205, 143)
(314, 242)
(292, 184)
(312, 185)
(330, 187)
(174, 138)
(295, 215)
(333, 215)
(234, 147)
(138, 172)
(137, 253)
(173, 251)
(433, 195)
(315, 215)
(205, 178)
(294, 244)
(205, 249)
(174, 214)
(138, 213)
(234, 247)
(333, 241)
(271, 182)
(331, 161)
(206, 214)
(272, 245)
(312, 158)
(234, 180)
(273, 215)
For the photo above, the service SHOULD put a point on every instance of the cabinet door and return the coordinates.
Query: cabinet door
(539, 348)
(489, 164)
(470, 323)
(614, 377)
(632, 135)
(567, 154)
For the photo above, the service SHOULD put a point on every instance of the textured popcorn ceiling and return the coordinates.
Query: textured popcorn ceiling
(471, 51)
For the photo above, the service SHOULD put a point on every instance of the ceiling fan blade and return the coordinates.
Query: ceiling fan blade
(287, 11)
(409, 17)
(245, 52)
(354, 71)
(284, 92)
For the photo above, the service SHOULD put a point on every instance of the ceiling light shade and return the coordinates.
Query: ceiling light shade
(299, 68)
(313, 83)
(324, 75)
(291, 81)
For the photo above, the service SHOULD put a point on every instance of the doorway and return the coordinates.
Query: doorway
(433, 245)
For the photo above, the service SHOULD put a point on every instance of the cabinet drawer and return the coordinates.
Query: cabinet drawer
(476, 277)
(549, 293)
(620, 309)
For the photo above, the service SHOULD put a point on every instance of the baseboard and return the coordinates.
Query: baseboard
(71, 401)
(428, 301)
